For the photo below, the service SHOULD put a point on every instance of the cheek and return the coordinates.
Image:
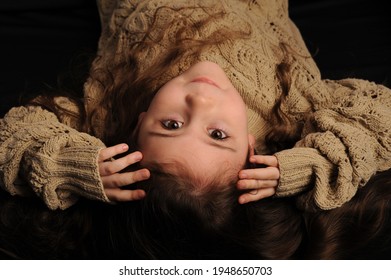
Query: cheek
(243, 152)
(242, 160)
(154, 150)
(238, 109)
(149, 154)
(143, 144)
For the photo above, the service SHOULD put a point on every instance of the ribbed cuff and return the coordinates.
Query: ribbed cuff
(61, 178)
(305, 168)
(296, 170)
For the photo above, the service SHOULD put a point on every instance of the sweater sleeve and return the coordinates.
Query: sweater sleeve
(343, 145)
(39, 154)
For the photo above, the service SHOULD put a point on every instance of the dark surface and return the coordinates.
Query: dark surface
(350, 38)
(39, 39)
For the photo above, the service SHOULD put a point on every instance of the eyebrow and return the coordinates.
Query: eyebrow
(211, 143)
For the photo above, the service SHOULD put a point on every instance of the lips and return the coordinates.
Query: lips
(205, 81)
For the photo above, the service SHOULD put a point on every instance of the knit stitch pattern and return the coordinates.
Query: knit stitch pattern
(56, 161)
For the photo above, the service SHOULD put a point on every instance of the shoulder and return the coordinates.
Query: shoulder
(28, 114)
(59, 108)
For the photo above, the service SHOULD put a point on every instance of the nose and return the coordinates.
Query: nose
(202, 97)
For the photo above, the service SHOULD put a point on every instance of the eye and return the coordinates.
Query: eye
(171, 124)
(218, 134)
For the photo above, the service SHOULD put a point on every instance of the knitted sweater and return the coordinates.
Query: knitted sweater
(347, 123)
(58, 162)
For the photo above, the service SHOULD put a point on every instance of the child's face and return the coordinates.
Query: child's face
(197, 119)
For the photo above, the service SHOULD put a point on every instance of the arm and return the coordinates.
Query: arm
(343, 145)
(57, 162)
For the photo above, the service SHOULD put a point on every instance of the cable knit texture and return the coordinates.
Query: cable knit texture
(347, 123)
(58, 162)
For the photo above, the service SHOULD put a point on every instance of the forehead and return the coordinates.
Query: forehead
(198, 180)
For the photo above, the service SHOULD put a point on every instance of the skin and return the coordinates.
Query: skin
(112, 180)
(199, 120)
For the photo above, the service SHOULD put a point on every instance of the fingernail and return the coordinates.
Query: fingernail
(141, 195)
(138, 156)
(242, 175)
(125, 147)
(145, 174)
(242, 200)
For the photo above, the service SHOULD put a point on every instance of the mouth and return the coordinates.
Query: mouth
(205, 80)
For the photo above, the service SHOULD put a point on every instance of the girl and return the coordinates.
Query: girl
(205, 75)
(310, 125)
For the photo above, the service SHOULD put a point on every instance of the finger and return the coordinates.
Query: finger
(124, 195)
(110, 167)
(108, 153)
(251, 150)
(268, 173)
(256, 184)
(262, 159)
(119, 180)
(256, 195)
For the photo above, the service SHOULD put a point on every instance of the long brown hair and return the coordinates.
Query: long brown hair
(160, 228)
(286, 130)
(359, 229)
(170, 222)
(274, 226)
(215, 214)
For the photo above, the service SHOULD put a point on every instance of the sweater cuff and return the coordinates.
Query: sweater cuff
(297, 170)
(61, 178)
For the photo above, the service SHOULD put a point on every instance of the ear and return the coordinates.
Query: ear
(140, 118)
(139, 121)
(251, 144)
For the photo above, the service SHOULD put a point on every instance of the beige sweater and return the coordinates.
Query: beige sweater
(345, 141)
(56, 161)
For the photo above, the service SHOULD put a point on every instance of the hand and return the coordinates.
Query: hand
(113, 180)
(261, 182)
